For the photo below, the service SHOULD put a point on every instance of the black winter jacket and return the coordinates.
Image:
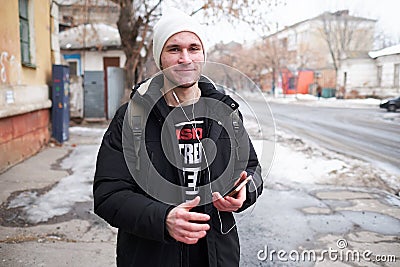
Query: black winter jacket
(142, 236)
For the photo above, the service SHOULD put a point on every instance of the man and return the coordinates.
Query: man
(167, 205)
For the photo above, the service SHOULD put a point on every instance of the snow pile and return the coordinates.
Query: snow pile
(86, 131)
(305, 99)
(298, 167)
(392, 50)
(74, 188)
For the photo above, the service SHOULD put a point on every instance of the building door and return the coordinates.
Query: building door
(108, 62)
(93, 84)
(116, 85)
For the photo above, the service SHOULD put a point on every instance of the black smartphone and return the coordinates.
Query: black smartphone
(233, 192)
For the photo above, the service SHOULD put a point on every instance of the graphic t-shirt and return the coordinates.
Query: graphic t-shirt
(190, 130)
(189, 135)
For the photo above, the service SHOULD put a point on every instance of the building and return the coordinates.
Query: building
(387, 62)
(89, 50)
(357, 76)
(90, 43)
(28, 47)
(376, 73)
(303, 46)
(77, 12)
(88, 33)
(90, 47)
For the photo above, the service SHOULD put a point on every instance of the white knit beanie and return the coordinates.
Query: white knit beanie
(173, 21)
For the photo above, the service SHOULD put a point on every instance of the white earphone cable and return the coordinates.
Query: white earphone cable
(208, 168)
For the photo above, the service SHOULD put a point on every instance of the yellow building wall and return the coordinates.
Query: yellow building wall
(24, 91)
(13, 72)
(9, 42)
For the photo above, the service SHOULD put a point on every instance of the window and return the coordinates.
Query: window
(396, 75)
(73, 68)
(284, 43)
(292, 42)
(74, 63)
(379, 77)
(25, 33)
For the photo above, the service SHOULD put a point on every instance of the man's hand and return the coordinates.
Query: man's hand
(231, 204)
(181, 223)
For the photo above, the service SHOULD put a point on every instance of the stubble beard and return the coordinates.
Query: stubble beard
(176, 84)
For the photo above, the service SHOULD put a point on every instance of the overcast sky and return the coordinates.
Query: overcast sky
(385, 11)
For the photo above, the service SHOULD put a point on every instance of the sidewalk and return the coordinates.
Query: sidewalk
(56, 181)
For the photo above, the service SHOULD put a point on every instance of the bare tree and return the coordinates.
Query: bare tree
(263, 61)
(383, 39)
(344, 33)
(137, 17)
(276, 57)
(134, 26)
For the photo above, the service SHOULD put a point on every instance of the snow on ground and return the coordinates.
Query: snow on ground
(305, 99)
(76, 187)
(331, 102)
(79, 130)
(299, 162)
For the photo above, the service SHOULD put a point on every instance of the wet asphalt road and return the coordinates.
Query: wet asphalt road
(366, 133)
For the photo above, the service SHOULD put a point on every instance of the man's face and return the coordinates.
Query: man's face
(182, 59)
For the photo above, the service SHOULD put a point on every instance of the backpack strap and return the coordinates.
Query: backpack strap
(236, 122)
(137, 126)
(137, 121)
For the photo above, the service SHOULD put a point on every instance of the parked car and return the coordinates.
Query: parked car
(391, 104)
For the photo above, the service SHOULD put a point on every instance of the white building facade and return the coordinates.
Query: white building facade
(374, 74)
